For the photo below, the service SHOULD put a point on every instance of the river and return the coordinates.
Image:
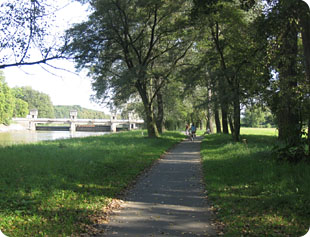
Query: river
(26, 136)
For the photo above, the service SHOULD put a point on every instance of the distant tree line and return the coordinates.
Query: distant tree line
(63, 111)
(17, 101)
(36, 100)
(10, 104)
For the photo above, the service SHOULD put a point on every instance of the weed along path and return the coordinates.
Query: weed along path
(167, 201)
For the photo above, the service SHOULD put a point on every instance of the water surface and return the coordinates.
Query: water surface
(22, 137)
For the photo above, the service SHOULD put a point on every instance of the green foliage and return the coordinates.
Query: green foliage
(7, 102)
(36, 100)
(63, 111)
(256, 117)
(292, 153)
(252, 194)
(288, 92)
(21, 108)
(59, 188)
(131, 48)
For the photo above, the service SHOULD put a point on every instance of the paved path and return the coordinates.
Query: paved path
(168, 201)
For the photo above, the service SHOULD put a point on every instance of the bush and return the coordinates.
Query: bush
(291, 153)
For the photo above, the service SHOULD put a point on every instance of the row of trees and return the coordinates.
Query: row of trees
(17, 101)
(36, 100)
(221, 54)
(63, 111)
(194, 58)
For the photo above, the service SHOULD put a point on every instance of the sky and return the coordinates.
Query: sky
(64, 88)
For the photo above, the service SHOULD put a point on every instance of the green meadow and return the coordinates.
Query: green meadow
(62, 188)
(251, 193)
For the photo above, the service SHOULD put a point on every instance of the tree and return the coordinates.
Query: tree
(36, 100)
(256, 116)
(230, 28)
(7, 102)
(20, 109)
(288, 54)
(63, 111)
(24, 33)
(124, 42)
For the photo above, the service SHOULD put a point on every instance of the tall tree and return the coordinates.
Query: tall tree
(121, 42)
(291, 72)
(229, 25)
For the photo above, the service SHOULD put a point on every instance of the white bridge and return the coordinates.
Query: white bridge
(74, 124)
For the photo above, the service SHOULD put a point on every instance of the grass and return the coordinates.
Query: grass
(252, 194)
(61, 188)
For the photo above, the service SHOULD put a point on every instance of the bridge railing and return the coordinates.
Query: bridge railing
(31, 122)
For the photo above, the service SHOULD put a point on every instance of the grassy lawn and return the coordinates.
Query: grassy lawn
(61, 188)
(252, 194)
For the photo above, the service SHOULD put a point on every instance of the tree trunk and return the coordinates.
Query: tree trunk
(148, 108)
(304, 15)
(209, 124)
(160, 112)
(224, 119)
(288, 108)
(236, 103)
(236, 133)
(231, 125)
(309, 136)
(217, 121)
(305, 32)
(151, 122)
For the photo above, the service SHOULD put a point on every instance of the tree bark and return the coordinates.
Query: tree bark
(305, 33)
(224, 118)
(151, 124)
(149, 111)
(304, 13)
(288, 108)
(309, 136)
(216, 113)
(209, 124)
(217, 120)
(231, 125)
(160, 112)
(236, 104)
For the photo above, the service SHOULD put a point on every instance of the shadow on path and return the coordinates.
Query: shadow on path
(167, 201)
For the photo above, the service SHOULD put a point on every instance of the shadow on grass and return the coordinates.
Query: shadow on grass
(253, 194)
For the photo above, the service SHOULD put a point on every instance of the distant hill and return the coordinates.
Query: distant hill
(63, 111)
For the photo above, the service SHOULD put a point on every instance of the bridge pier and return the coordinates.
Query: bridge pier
(113, 127)
(72, 126)
(32, 126)
(132, 126)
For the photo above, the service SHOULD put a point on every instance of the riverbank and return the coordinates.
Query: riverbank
(64, 187)
(12, 127)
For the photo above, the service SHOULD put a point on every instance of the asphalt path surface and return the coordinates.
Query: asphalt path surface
(169, 200)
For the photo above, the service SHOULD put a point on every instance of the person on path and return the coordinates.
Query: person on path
(193, 130)
(187, 129)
